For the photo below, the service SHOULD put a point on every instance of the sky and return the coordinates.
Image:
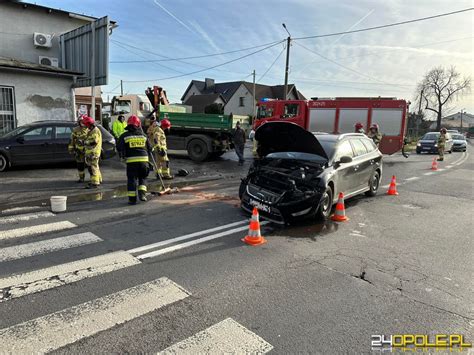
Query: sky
(386, 62)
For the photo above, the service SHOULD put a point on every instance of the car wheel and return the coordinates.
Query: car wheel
(4, 164)
(325, 206)
(418, 152)
(374, 183)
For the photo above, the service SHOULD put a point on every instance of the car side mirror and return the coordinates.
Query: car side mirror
(345, 159)
(21, 139)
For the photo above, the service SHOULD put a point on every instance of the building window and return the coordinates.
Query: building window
(7, 109)
(241, 101)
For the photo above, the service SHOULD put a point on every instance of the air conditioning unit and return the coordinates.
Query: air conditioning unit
(51, 61)
(42, 40)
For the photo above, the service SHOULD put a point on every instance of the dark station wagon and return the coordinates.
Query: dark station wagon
(44, 142)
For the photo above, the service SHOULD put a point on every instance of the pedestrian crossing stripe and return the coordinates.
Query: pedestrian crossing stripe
(226, 337)
(55, 330)
(36, 230)
(47, 246)
(25, 217)
(43, 279)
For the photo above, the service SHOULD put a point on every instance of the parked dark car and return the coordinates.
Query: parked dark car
(302, 173)
(44, 142)
(459, 142)
(429, 143)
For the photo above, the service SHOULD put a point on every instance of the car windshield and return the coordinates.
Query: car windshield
(458, 137)
(430, 136)
(328, 144)
(15, 132)
(122, 106)
(297, 156)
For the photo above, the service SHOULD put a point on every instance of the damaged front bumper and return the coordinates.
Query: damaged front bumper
(271, 207)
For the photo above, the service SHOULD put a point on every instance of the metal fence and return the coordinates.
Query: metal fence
(7, 109)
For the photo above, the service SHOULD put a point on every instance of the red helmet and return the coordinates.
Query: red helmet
(374, 126)
(134, 121)
(358, 126)
(88, 121)
(165, 124)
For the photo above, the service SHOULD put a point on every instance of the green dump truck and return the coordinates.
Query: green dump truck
(202, 135)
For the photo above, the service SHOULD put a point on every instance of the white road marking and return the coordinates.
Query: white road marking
(64, 327)
(25, 217)
(449, 166)
(463, 159)
(193, 242)
(47, 246)
(35, 230)
(44, 279)
(357, 235)
(412, 178)
(440, 169)
(226, 337)
(184, 237)
(430, 173)
(22, 209)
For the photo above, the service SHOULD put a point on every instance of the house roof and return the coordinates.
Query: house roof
(228, 89)
(199, 102)
(9, 63)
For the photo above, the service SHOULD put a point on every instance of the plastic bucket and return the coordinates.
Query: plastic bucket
(58, 203)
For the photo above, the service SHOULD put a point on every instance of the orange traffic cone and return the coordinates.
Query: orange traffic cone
(434, 164)
(340, 212)
(392, 190)
(254, 237)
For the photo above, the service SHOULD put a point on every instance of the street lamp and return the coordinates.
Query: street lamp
(461, 117)
(287, 66)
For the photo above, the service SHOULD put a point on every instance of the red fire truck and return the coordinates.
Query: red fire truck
(340, 114)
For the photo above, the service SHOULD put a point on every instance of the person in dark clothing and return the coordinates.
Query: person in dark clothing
(133, 146)
(239, 143)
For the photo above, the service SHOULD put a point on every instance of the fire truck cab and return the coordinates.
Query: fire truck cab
(339, 115)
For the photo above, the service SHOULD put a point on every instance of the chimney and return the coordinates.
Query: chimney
(209, 84)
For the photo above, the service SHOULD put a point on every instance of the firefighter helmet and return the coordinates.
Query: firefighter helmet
(443, 130)
(358, 126)
(87, 121)
(165, 124)
(134, 121)
(374, 126)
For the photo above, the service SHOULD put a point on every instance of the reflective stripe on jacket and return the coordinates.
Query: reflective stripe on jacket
(76, 143)
(93, 142)
(133, 145)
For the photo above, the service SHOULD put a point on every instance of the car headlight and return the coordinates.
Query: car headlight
(418, 145)
(436, 145)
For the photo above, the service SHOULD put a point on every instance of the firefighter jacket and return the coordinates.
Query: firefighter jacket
(441, 140)
(118, 128)
(93, 143)
(76, 143)
(133, 145)
(159, 140)
(376, 137)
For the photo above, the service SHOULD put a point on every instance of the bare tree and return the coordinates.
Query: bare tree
(439, 88)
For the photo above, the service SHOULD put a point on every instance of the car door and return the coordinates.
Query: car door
(362, 167)
(62, 136)
(35, 145)
(344, 171)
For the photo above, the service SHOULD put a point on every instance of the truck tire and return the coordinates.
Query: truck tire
(197, 150)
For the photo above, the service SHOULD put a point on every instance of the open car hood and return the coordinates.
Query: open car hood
(287, 137)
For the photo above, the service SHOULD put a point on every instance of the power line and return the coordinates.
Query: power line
(271, 66)
(387, 25)
(205, 69)
(166, 59)
(342, 66)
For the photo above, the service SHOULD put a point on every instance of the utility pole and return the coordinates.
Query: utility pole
(287, 65)
(121, 88)
(92, 63)
(461, 120)
(418, 116)
(253, 94)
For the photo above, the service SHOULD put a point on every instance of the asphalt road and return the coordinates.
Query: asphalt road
(173, 273)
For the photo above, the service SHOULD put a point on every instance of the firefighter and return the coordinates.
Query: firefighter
(374, 134)
(160, 149)
(441, 143)
(133, 146)
(359, 128)
(93, 149)
(151, 129)
(76, 148)
(118, 126)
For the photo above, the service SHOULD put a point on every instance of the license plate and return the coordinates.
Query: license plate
(426, 148)
(260, 206)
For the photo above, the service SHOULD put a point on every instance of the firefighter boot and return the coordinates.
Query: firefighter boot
(142, 196)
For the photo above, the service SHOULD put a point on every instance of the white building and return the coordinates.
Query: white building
(33, 86)
(235, 96)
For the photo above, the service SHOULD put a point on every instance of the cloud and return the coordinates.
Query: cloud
(205, 35)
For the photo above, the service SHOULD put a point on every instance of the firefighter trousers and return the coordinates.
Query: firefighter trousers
(94, 170)
(136, 180)
(81, 165)
(163, 164)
